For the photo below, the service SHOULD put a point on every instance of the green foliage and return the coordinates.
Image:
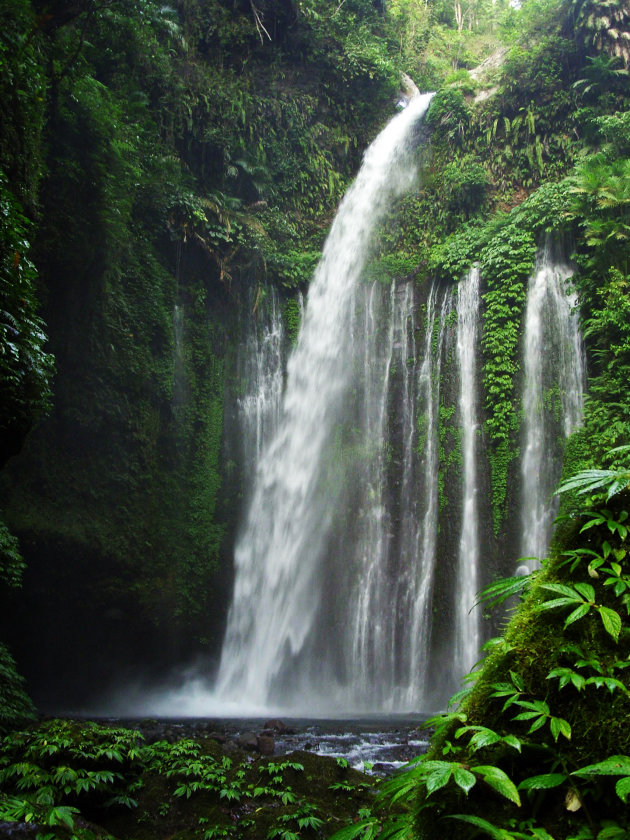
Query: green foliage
(599, 205)
(11, 561)
(15, 705)
(25, 366)
(46, 771)
(449, 114)
(22, 102)
(603, 26)
(61, 773)
(506, 263)
(465, 186)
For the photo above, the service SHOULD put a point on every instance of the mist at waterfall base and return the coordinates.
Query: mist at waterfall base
(354, 587)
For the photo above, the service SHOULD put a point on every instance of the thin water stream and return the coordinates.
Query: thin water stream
(553, 394)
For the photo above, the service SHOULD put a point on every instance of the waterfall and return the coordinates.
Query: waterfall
(179, 376)
(260, 369)
(281, 557)
(468, 631)
(420, 509)
(552, 394)
(390, 551)
(369, 655)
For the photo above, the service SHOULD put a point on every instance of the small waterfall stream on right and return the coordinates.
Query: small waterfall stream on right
(468, 636)
(553, 394)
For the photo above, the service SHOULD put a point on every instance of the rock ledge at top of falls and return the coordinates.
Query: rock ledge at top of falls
(409, 87)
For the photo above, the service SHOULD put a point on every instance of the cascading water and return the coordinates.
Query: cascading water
(280, 559)
(369, 637)
(468, 631)
(552, 394)
(367, 560)
(260, 368)
(390, 551)
(419, 506)
(179, 381)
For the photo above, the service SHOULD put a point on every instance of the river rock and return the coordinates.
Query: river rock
(266, 744)
(247, 741)
(279, 727)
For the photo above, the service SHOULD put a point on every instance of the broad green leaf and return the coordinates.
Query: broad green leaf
(560, 726)
(500, 781)
(464, 779)
(560, 602)
(491, 830)
(623, 788)
(540, 834)
(578, 613)
(586, 590)
(513, 741)
(578, 681)
(537, 724)
(543, 782)
(615, 765)
(438, 779)
(536, 705)
(484, 738)
(561, 589)
(611, 621)
(613, 832)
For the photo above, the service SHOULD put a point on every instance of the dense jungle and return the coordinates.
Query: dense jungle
(168, 177)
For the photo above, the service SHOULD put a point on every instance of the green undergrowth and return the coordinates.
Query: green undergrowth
(537, 746)
(79, 781)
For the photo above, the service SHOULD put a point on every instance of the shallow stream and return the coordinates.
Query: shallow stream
(379, 746)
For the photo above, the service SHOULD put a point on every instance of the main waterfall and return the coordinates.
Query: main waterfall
(270, 649)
